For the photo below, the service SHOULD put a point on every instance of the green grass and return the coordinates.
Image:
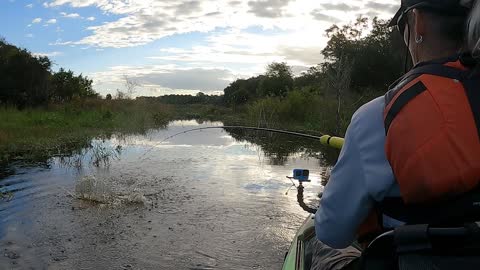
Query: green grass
(35, 134)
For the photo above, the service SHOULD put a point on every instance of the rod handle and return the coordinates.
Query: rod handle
(335, 142)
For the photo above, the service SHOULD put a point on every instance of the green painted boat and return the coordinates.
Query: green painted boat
(299, 256)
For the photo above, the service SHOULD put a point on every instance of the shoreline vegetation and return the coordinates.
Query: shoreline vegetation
(32, 135)
(45, 113)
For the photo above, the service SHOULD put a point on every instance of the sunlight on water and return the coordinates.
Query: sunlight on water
(202, 200)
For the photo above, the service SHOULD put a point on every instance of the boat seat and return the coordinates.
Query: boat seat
(424, 247)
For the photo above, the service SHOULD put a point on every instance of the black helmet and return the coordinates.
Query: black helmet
(447, 7)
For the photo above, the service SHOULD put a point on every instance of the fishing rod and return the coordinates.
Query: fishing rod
(308, 136)
(332, 141)
(335, 142)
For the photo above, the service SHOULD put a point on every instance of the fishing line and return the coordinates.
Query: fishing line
(279, 131)
(298, 134)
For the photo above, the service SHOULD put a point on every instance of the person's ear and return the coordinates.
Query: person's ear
(418, 23)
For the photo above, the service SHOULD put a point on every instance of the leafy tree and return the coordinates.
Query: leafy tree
(27, 80)
(66, 86)
(376, 57)
(278, 80)
(24, 77)
(312, 78)
(242, 91)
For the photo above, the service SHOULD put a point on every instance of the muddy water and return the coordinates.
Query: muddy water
(202, 200)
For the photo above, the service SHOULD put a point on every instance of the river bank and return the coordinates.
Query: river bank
(31, 135)
(35, 135)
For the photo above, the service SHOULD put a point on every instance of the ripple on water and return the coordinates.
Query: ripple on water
(200, 201)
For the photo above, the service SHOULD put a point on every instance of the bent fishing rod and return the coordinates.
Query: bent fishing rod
(327, 140)
(335, 142)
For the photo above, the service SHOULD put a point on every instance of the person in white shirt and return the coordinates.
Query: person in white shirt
(363, 177)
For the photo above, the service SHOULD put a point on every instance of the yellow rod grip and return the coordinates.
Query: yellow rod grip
(335, 142)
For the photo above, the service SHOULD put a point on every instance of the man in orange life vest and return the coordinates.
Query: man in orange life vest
(418, 144)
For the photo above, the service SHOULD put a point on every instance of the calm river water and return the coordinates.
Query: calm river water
(203, 200)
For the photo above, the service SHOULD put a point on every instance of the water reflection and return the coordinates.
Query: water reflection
(99, 153)
(205, 200)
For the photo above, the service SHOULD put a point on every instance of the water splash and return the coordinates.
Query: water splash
(101, 190)
(90, 188)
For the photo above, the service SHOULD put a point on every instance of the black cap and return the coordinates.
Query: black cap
(450, 7)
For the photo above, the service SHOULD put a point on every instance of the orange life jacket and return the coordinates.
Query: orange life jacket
(432, 120)
(432, 123)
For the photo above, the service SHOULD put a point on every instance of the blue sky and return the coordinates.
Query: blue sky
(177, 46)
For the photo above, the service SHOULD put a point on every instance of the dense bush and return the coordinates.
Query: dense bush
(27, 80)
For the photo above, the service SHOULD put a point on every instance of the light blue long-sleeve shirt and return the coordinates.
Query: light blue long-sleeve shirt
(361, 177)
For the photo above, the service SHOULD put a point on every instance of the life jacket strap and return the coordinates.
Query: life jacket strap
(472, 89)
(403, 99)
(470, 80)
(459, 210)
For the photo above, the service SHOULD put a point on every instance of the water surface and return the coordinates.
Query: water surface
(201, 200)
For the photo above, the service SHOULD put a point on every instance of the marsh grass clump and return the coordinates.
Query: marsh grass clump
(6, 195)
(97, 153)
(102, 155)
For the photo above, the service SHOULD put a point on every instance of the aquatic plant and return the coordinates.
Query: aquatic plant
(102, 155)
(6, 195)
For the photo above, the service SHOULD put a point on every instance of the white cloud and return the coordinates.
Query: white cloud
(52, 21)
(29, 35)
(164, 79)
(48, 54)
(242, 35)
(254, 50)
(70, 15)
(29, 6)
(75, 3)
(37, 20)
(142, 22)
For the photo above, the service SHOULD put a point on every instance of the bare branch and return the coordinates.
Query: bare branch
(130, 86)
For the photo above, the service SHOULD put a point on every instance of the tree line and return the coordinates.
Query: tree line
(362, 57)
(176, 99)
(373, 61)
(27, 80)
